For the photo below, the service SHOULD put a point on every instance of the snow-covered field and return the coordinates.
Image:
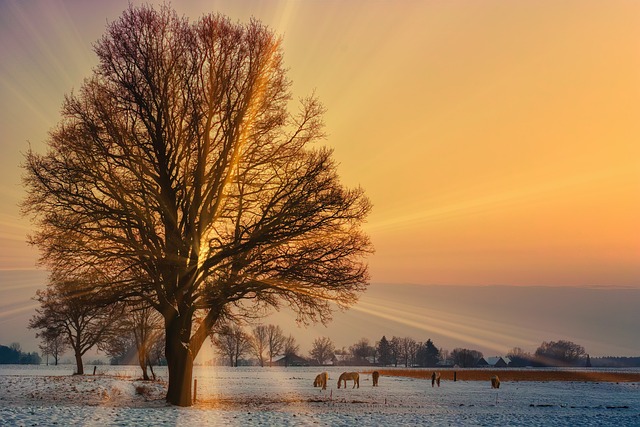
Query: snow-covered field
(46, 396)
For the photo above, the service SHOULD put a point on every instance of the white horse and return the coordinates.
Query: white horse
(349, 376)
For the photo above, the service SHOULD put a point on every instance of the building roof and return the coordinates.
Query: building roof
(492, 361)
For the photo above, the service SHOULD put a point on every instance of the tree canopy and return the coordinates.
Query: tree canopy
(559, 353)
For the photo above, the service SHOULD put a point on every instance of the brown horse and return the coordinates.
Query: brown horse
(375, 375)
(495, 382)
(349, 376)
(435, 379)
(321, 380)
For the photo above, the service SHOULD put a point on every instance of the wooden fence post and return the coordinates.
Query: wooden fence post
(195, 390)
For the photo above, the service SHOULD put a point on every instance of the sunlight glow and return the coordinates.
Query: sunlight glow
(493, 152)
(454, 326)
(471, 206)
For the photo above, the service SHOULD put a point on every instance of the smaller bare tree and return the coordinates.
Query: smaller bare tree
(519, 358)
(559, 353)
(361, 351)
(465, 358)
(322, 350)
(290, 349)
(396, 350)
(408, 350)
(260, 342)
(276, 342)
(232, 342)
(84, 323)
(443, 356)
(52, 343)
(141, 328)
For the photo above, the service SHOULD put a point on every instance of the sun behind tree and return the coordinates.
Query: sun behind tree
(178, 173)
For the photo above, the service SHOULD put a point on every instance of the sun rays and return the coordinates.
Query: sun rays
(471, 205)
(455, 327)
(493, 153)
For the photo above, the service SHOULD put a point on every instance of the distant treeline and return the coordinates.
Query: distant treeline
(615, 362)
(13, 355)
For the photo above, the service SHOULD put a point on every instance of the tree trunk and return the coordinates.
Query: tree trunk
(143, 366)
(180, 366)
(142, 361)
(80, 367)
(151, 368)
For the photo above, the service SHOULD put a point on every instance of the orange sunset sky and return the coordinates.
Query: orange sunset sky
(499, 141)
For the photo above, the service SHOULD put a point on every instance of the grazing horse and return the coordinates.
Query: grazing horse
(321, 380)
(375, 375)
(349, 376)
(495, 382)
(435, 379)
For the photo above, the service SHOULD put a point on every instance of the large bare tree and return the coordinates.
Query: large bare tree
(178, 170)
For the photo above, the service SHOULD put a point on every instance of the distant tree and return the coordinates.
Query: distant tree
(9, 355)
(519, 358)
(361, 351)
(275, 341)
(384, 351)
(396, 350)
(428, 354)
(52, 343)
(465, 358)
(615, 362)
(341, 352)
(44, 351)
(148, 332)
(139, 328)
(290, 349)
(65, 306)
(121, 348)
(443, 355)
(13, 355)
(32, 358)
(232, 342)
(559, 353)
(260, 342)
(156, 352)
(322, 350)
(408, 350)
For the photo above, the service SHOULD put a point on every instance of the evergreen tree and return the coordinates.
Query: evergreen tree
(428, 354)
(384, 352)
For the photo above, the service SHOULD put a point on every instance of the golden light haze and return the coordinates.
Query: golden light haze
(501, 144)
(499, 141)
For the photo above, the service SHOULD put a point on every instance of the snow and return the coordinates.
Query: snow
(253, 396)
